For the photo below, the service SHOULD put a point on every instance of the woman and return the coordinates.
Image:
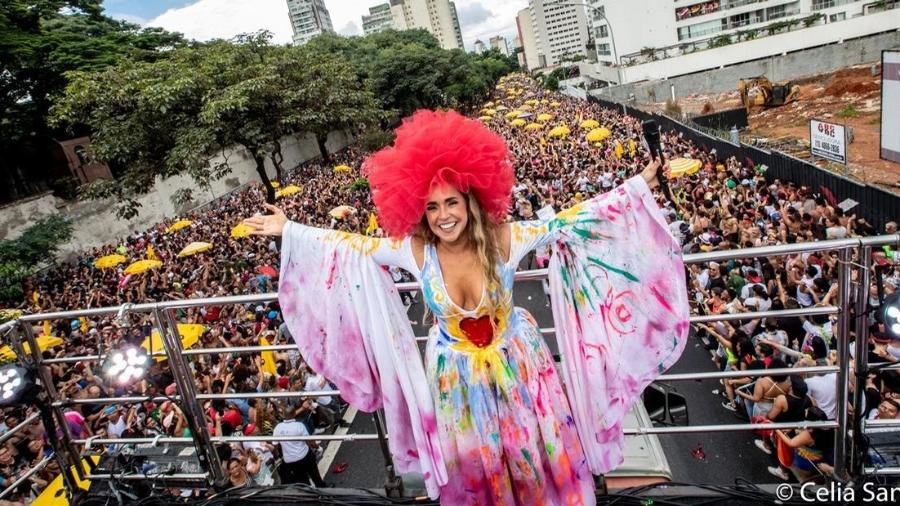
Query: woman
(237, 473)
(489, 423)
(765, 391)
(813, 449)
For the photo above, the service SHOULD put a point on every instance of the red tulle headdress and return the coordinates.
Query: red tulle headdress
(433, 148)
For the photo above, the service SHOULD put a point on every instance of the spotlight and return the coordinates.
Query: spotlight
(126, 365)
(890, 315)
(16, 384)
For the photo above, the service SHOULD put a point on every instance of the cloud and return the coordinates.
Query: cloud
(211, 19)
(131, 18)
(350, 28)
(473, 14)
(484, 20)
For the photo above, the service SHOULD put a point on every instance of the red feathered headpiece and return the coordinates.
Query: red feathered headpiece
(433, 148)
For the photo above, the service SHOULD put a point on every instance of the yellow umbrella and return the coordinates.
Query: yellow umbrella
(531, 102)
(190, 334)
(53, 494)
(343, 168)
(486, 118)
(178, 225)
(598, 134)
(108, 261)
(589, 124)
(268, 358)
(544, 117)
(341, 212)
(534, 126)
(512, 114)
(545, 101)
(44, 343)
(487, 111)
(275, 184)
(555, 104)
(559, 131)
(518, 122)
(489, 104)
(240, 231)
(681, 166)
(502, 108)
(142, 266)
(194, 248)
(288, 190)
(526, 107)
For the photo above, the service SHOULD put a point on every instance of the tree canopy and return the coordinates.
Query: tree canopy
(39, 44)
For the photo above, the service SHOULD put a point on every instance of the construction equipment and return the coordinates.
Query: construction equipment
(759, 91)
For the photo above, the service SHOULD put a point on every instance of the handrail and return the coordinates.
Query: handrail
(24, 423)
(31, 472)
(166, 324)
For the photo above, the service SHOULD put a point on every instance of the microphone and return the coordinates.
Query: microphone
(654, 146)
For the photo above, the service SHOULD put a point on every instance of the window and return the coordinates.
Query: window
(602, 32)
(603, 49)
(840, 16)
(740, 20)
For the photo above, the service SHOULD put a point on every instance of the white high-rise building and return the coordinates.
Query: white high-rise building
(436, 16)
(499, 43)
(456, 27)
(529, 56)
(734, 30)
(378, 20)
(557, 31)
(308, 19)
(479, 46)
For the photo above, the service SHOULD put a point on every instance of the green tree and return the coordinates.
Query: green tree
(176, 115)
(20, 257)
(38, 45)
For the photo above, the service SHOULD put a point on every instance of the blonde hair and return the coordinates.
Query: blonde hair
(482, 234)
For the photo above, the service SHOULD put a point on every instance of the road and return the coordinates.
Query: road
(727, 456)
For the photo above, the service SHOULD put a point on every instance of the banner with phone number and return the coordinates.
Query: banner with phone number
(828, 140)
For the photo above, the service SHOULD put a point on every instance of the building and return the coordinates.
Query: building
(479, 46)
(499, 43)
(308, 19)
(456, 27)
(552, 32)
(379, 19)
(528, 58)
(437, 16)
(724, 31)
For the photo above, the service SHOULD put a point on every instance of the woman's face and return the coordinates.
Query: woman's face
(446, 213)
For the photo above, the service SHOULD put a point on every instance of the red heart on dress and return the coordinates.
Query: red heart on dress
(478, 330)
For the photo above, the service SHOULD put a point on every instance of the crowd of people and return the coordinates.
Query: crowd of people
(726, 204)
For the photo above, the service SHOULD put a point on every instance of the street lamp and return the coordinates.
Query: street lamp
(602, 15)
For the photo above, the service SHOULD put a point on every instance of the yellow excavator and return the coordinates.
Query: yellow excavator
(759, 91)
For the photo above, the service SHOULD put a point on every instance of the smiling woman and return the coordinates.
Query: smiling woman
(485, 419)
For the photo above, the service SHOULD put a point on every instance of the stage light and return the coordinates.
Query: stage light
(126, 365)
(890, 315)
(15, 383)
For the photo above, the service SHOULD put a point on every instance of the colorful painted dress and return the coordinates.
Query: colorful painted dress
(487, 419)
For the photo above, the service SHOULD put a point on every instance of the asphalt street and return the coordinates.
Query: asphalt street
(700, 458)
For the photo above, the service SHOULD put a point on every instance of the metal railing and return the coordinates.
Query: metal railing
(190, 400)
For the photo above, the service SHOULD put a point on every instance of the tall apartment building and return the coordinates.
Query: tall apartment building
(479, 46)
(437, 16)
(669, 29)
(308, 19)
(378, 20)
(499, 43)
(528, 58)
(456, 27)
(551, 31)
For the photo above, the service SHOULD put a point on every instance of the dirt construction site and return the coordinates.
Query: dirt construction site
(850, 96)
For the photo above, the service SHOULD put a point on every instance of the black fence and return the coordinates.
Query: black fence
(723, 120)
(876, 205)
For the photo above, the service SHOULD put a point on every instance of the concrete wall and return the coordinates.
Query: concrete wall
(795, 65)
(95, 222)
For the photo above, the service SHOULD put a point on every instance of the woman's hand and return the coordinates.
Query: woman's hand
(650, 173)
(270, 224)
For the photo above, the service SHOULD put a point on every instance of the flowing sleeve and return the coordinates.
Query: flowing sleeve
(620, 308)
(345, 315)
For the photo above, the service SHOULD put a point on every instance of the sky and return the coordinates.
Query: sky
(208, 19)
